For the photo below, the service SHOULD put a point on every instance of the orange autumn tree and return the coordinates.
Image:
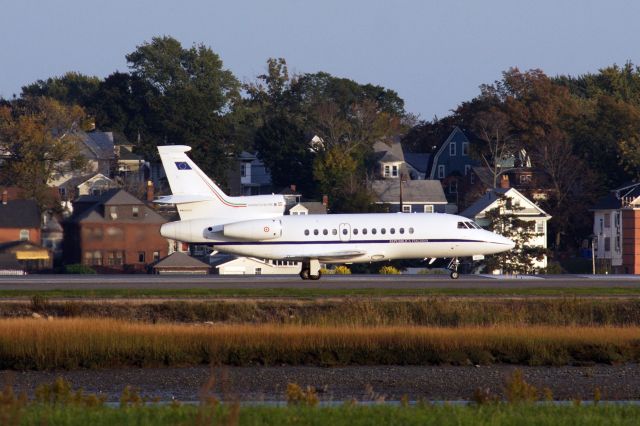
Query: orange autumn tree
(38, 140)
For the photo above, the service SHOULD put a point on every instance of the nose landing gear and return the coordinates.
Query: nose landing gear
(453, 267)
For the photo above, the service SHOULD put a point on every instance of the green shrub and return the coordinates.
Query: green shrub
(342, 270)
(388, 270)
(78, 268)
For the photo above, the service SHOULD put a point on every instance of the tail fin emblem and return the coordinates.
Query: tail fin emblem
(183, 165)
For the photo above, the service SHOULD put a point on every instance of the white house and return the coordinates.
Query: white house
(230, 265)
(615, 230)
(516, 204)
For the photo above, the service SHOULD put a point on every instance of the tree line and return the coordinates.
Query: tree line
(317, 130)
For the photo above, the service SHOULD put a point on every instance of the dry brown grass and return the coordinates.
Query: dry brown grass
(84, 342)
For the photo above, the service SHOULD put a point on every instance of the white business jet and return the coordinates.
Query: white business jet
(256, 226)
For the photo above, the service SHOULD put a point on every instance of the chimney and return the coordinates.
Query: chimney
(5, 197)
(293, 187)
(149, 191)
(325, 200)
(504, 182)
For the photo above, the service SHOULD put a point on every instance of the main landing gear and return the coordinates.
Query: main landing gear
(310, 270)
(453, 267)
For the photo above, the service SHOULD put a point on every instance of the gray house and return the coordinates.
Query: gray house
(452, 162)
(412, 196)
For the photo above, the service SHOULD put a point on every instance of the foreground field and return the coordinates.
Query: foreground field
(347, 414)
(441, 311)
(97, 343)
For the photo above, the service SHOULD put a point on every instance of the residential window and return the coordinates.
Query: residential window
(428, 208)
(135, 211)
(467, 169)
(24, 235)
(387, 171)
(243, 169)
(114, 258)
(618, 243)
(453, 186)
(97, 258)
(472, 178)
(441, 171)
(156, 256)
(394, 171)
(258, 271)
(607, 220)
(465, 148)
(607, 243)
(525, 179)
(540, 227)
(141, 256)
(406, 208)
(113, 212)
(452, 149)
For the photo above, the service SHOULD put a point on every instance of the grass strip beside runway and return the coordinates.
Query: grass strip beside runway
(101, 343)
(308, 293)
(348, 415)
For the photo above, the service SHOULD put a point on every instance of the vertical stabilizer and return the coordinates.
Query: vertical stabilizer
(196, 196)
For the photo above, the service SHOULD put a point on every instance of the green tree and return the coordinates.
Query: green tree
(190, 100)
(504, 220)
(71, 89)
(39, 138)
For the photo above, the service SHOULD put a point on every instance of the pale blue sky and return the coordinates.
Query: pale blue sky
(435, 54)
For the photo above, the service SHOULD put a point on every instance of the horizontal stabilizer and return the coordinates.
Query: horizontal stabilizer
(182, 199)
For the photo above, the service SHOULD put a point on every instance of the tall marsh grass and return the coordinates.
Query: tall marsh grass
(94, 343)
(431, 311)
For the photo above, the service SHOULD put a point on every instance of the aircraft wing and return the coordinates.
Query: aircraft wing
(326, 256)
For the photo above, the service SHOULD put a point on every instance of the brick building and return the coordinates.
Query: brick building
(114, 232)
(19, 220)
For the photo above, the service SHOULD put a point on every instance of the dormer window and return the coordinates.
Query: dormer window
(394, 171)
(113, 212)
(387, 170)
(135, 211)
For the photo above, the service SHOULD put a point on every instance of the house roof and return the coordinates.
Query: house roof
(413, 191)
(180, 260)
(484, 174)
(100, 144)
(19, 214)
(486, 201)
(314, 207)
(125, 154)
(419, 161)
(92, 207)
(618, 197)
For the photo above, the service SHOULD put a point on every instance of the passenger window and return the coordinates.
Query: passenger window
(306, 232)
(345, 231)
(392, 230)
(402, 230)
(374, 231)
(355, 231)
(411, 230)
(364, 231)
(315, 232)
(383, 231)
(334, 232)
(325, 232)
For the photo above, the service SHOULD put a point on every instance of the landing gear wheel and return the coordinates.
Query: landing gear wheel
(304, 274)
(453, 267)
(315, 277)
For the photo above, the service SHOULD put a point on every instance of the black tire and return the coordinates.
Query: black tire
(454, 275)
(304, 274)
(315, 277)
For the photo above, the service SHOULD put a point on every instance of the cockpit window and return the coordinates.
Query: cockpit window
(474, 225)
(461, 225)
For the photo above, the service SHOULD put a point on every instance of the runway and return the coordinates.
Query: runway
(335, 282)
